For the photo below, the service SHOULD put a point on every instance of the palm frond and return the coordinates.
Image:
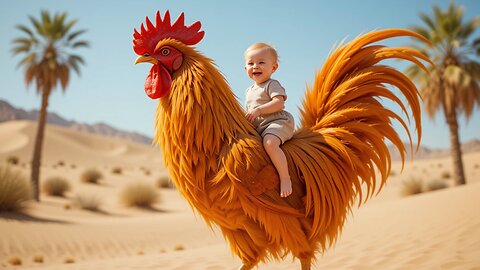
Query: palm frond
(47, 59)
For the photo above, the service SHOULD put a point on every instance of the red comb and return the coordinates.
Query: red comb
(148, 37)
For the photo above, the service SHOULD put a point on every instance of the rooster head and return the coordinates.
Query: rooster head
(166, 59)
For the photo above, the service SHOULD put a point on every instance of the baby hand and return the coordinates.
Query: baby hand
(253, 114)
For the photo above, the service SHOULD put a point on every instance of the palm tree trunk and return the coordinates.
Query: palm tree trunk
(37, 151)
(456, 151)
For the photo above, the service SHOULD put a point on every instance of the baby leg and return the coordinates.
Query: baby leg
(271, 143)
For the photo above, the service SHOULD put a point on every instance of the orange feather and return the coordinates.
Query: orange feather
(337, 156)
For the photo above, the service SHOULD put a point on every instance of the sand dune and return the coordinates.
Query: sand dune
(434, 230)
(63, 144)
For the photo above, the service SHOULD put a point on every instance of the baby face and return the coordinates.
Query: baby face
(260, 64)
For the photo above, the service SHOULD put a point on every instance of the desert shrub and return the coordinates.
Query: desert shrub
(139, 195)
(87, 202)
(411, 187)
(15, 260)
(61, 163)
(38, 259)
(13, 160)
(435, 184)
(476, 166)
(164, 181)
(56, 186)
(69, 260)
(92, 176)
(179, 248)
(117, 170)
(446, 175)
(14, 189)
(145, 170)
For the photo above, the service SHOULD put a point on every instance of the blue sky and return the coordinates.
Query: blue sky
(110, 88)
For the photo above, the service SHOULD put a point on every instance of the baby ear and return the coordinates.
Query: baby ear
(275, 67)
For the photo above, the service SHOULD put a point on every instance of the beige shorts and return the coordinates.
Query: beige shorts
(280, 124)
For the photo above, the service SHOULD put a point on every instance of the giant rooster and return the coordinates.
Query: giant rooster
(216, 157)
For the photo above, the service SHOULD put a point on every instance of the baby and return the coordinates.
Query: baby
(265, 108)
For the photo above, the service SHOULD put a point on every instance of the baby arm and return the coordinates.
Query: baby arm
(275, 105)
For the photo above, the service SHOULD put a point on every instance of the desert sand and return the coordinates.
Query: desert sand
(432, 230)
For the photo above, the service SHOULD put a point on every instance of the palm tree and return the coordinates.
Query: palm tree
(47, 62)
(452, 86)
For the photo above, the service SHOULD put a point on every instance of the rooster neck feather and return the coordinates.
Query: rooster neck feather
(196, 119)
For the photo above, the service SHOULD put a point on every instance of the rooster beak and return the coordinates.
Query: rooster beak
(146, 59)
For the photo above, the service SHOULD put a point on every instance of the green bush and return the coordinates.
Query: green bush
(92, 176)
(56, 186)
(139, 195)
(15, 190)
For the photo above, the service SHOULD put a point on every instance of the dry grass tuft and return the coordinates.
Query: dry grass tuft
(13, 160)
(15, 190)
(91, 176)
(87, 202)
(38, 259)
(56, 186)
(145, 170)
(446, 175)
(15, 260)
(164, 181)
(179, 248)
(139, 195)
(117, 170)
(435, 184)
(411, 187)
(69, 260)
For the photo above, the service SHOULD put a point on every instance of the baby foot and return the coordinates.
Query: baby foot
(285, 188)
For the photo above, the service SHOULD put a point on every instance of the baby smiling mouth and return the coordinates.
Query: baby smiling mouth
(257, 73)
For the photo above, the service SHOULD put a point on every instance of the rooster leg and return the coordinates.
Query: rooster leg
(244, 247)
(306, 264)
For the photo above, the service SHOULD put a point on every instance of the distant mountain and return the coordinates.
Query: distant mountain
(427, 152)
(9, 112)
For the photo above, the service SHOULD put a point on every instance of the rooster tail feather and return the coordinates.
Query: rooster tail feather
(344, 127)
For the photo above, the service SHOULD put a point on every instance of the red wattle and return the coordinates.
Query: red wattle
(158, 82)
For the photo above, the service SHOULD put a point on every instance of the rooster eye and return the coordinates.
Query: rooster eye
(165, 51)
